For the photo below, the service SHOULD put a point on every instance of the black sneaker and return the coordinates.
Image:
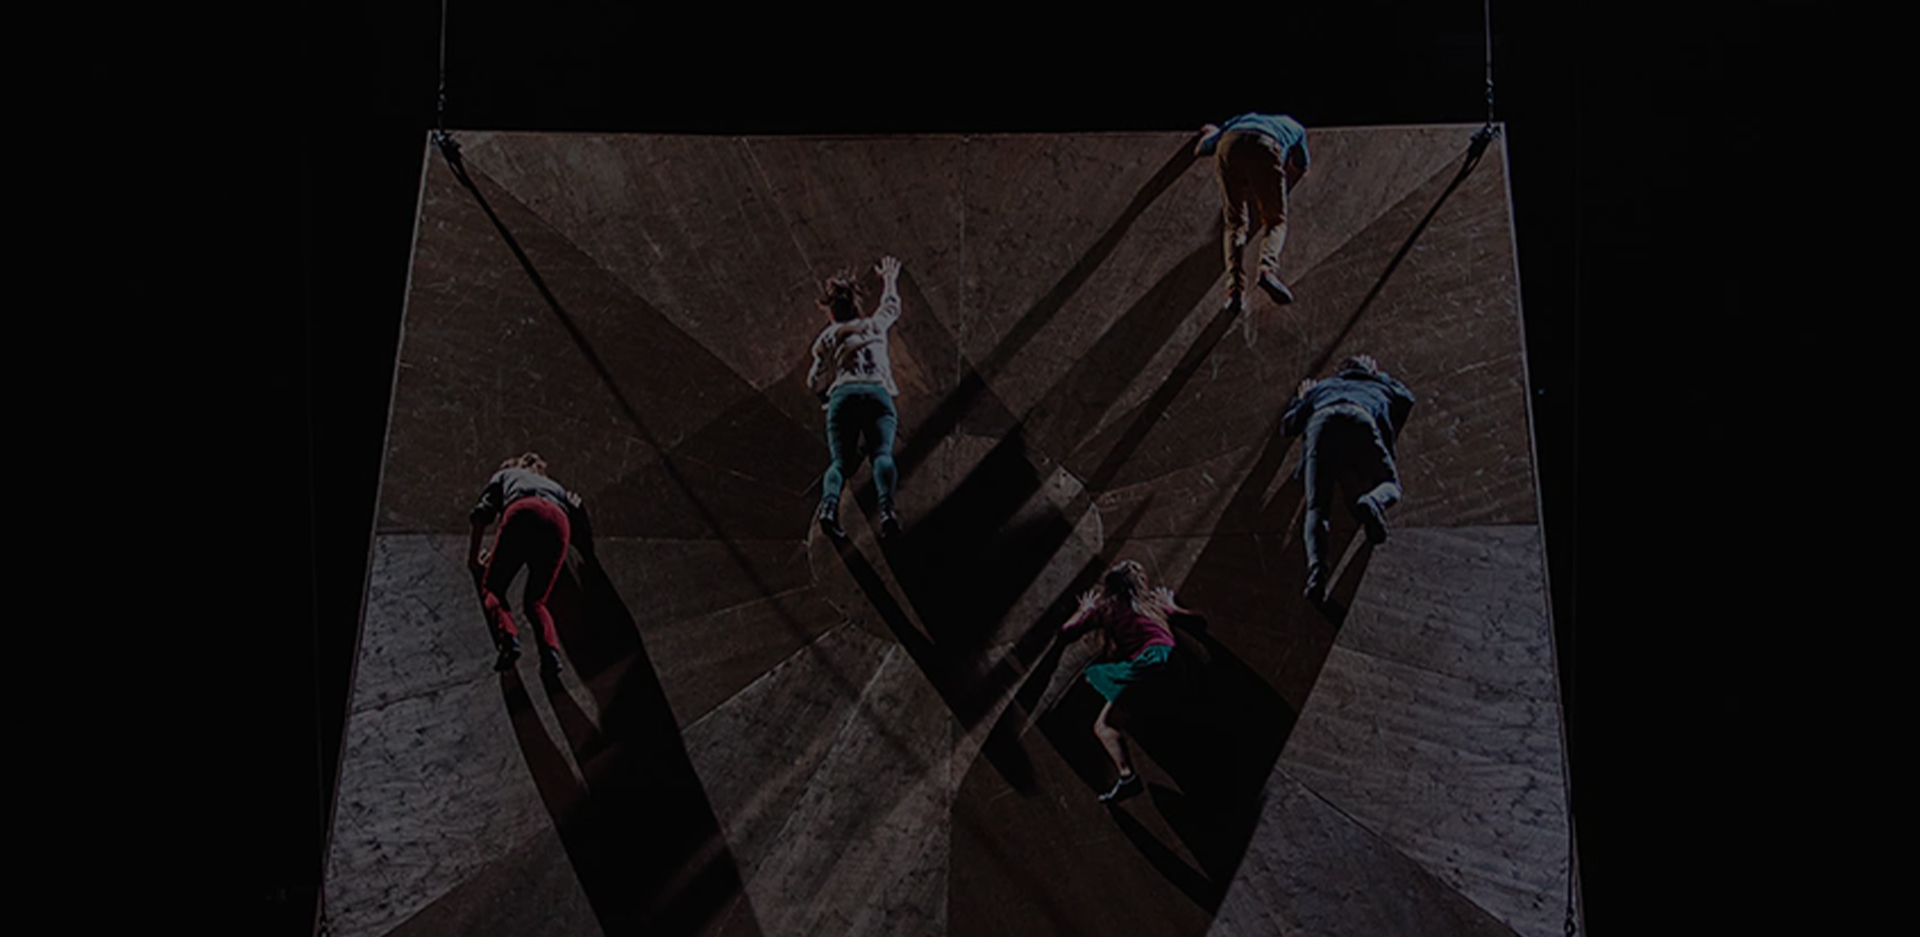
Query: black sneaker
(1276, 290)
(830, 521)
(889, 523)
(1316, 591)
(509, 652)
(1122, 788)
(550, 662)
(1372, 520)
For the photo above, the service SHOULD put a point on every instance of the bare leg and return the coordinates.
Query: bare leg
(1111, 740)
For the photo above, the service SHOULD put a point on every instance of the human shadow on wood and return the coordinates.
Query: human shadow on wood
(636, 823)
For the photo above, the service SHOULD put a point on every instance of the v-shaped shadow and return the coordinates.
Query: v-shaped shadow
(1216, 726)
(636, 823)
(963, 567)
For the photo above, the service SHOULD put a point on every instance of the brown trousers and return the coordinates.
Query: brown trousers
(1255, 177)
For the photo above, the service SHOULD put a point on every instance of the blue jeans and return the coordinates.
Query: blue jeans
(855, 411)
(1343, 446)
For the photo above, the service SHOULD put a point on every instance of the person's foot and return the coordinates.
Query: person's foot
(830, 520)
(550, 662)
(889, 522)
(1372, 519)
(1316, 591)
(509, 652)
(1276, 290)
(1127, 784)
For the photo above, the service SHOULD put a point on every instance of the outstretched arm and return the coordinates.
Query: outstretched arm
(1081, 616)
(1295, 418)
(1401, 404)
(819, 375)
(889, 310)
(1164, 596)
(1209, 138)
(1398, 390)
(476, 557)
(492, 500)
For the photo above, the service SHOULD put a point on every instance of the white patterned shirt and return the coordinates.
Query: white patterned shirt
(856, 351)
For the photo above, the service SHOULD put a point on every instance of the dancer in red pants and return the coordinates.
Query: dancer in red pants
(534, 532)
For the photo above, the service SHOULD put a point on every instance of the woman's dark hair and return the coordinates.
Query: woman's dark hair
(840, 296)
(530, 461)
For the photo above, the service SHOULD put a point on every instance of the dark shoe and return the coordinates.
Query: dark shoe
(1127, 785)
(1316, 591)
(1276, 290)
(550, 662)
(1372, 520)
(830, 521)
(889, 523)
(509, 652)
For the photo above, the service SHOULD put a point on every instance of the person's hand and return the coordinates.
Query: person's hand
(573, 499)
(1088, 600)
(889, 268)
(1206, 130)
(1366, 361)
(1164, 596)
(1307, 385)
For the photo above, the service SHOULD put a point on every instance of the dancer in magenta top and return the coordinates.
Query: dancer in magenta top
(1133, 619)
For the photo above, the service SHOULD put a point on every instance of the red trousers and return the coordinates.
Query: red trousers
(533, 533)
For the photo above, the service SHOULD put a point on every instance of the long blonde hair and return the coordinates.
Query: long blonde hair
(1126, 581)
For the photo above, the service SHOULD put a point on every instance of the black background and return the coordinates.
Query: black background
(293, 142)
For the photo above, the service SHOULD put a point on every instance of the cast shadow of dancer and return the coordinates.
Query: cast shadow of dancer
(1219, 763)
(635, 820)
(992, 523)
(1220, 736)
(636, 823)
(1223, 717)
(1214, 725)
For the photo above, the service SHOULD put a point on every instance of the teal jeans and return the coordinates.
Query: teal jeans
(856, 412)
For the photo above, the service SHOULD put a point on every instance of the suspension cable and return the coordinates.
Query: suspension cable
(441, 138)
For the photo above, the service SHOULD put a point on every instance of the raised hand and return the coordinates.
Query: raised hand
(888, 268)
(1366, 361)
(1307, 385)
(1206, 130)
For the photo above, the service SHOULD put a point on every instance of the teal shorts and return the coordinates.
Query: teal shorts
(1114, 678)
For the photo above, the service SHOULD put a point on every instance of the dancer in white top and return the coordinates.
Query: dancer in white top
(853, 375)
